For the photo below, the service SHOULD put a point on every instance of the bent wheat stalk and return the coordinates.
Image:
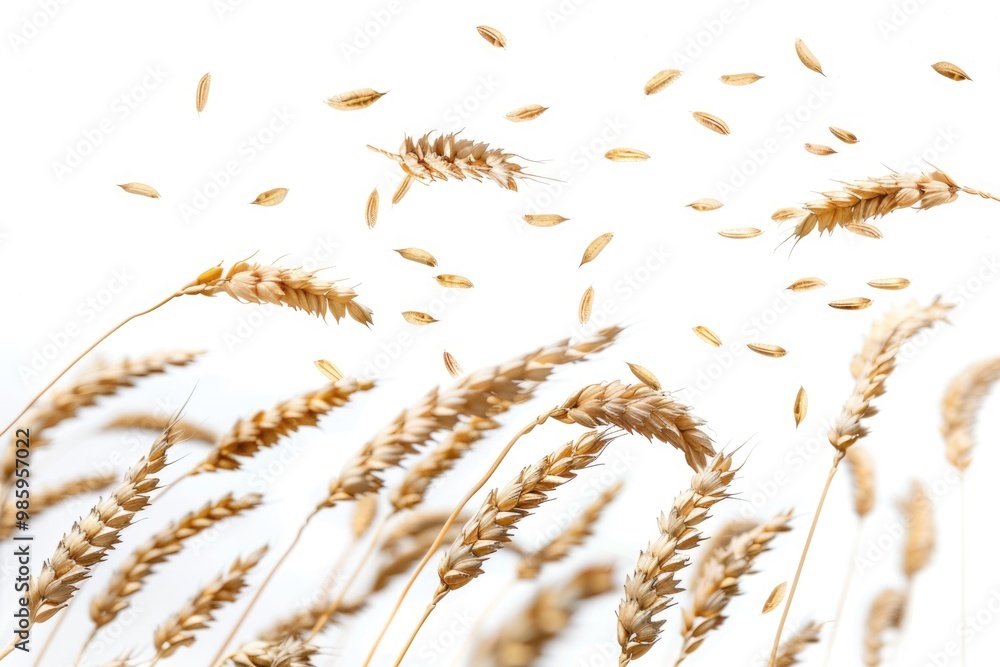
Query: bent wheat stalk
(872, 370)
(249, 283)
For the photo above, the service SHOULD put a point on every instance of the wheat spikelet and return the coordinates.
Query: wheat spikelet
(523, 638)
(287, 653)
(490, 528)
(365, 511)
(90, 539)
(886, 613)
(962, 402)
(401, 551)
(573, 535)
(146, 421)
(178, 630)
(297, 624)
(129, 578)
(49, 496)
(448, 157)
(296, 288)
(791, 648)
(862, 469)
(639, 409)
(418, 477)
(721, 579)
(861, 201)
(919, 546)
(476, 395)
(877, 366)
(248, 436)
(652, 586)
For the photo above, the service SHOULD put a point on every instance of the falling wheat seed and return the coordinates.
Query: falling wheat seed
(740, 233)
(530, 112)
(626, 155)
(140, 189)
(855, 303)
(890, 283)
(819, 149)
(403, 188)
(454, 369)
(705, 204)
(586, 305)
(371, 209)
(417, 255)
(271, 197)
(707, 335)
(201, 95)
(417, 317)
(844, 135)
(355, 99)
(714, 123)
(775, 598)
(807, 57)
(645, 376)
(329, 370)
(544, 219)
(801, 406)
(493, 36)
(453, 281)
(768, 350)
(596, 247)
(661, 80)
(783, 214)
(806, 284)
(744, 79)
(951, 70)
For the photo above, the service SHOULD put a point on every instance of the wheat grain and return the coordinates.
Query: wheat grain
(807, 57)
(586, 305)
(544, 219)
(271, 197)
(844, 135)
(147, 421)
(962, 402)
(595, 247)
(248, 436)
(140, 189)
(806, 284)
(768, 350)
(714, 123)
(526, 113)
(661, 80)
(523, 639)
(801, 406)
(707, 335)
(886, 613)
(492, 35)
(819, 149)
(371, 209)
(706, 204)
(178, 630)
(448, 157)
(573, 535)
(951, 71)
(644, 375)
(775, 598)
(744, 79)
(853, 303)
(626, 155)
(49, 496)
(418, 318)
(452, 281)
(722, 574)
(651, 587)
(889, 283)
(451, 364)
(201, 94)
(354, 99)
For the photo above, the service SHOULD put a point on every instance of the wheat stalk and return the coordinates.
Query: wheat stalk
(871, 370)
(90, 539)
(145, 421)
(49, 496)
(400, 553)
(448, 157)
(791, 648)
(573, 535)
(522, 639)
(723, 572)
(961, 405)
(886, 613)
(861, 201)
(178, 630)
(651, 587)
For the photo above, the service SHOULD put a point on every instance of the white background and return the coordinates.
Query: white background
(66, 234)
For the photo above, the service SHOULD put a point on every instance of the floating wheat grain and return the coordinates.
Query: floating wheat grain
(705, 204)
(626, 155)
(740, 233)
(201, 95)
(271, 197)
(596, 247)
(544, 219)
(329, 370)
(417, 317)
(807, 57)
(354, 99)
(775, 598)
(450, 363)
(645, 376)
(140, 189)
(844, 135)
(371, 209)
(806, 284)
(586, 305)
(951, 70)
(493, 36)
(526, 113)
(744, 79)
(801, 406)
(402, 189)
(452, 281)
(889, 283)
(707, 335)
(417, 255)
(819, 149)
(661, 80)
(767, 349)
(714, 123)
(854, 303)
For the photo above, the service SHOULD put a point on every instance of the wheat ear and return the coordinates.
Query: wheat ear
(288, 653)
(861, 201)
(871, 372)
(791, 649)
(90, 539)
(178, 630)
(573, 535)
(633, 408)
(886, 613)
(722, 575)
(654, 582)
(145, 421)
(49, 496)
(523, 639)
(448, 157)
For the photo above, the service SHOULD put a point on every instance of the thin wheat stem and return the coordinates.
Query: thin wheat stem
(838, 457)
(48, 640)
(962, 551)
(478, 625)
(335, 605)
(83, 648)
(444, 531)
(984, 195)
(9, 649)
(413, 635)
(843, 593)
(221, 654)
(82, 355)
